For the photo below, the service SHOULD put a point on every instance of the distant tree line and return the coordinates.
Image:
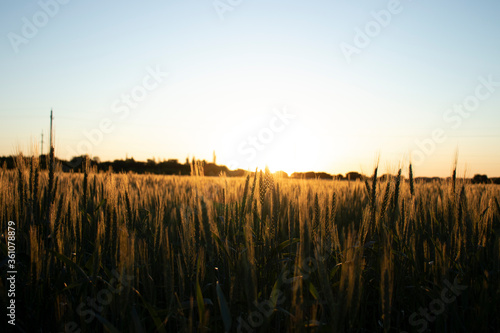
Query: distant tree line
(203, 168)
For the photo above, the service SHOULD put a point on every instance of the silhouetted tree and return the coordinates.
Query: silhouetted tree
(480, 179)
(353, 175)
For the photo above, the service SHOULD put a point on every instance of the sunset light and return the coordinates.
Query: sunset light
(249, 166)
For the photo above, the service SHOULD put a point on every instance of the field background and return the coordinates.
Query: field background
(146, 253)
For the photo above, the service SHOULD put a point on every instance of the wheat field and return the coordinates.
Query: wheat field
(105, 252)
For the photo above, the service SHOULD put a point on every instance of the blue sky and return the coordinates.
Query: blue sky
(232, 74)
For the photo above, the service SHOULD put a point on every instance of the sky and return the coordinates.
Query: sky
(331, 86)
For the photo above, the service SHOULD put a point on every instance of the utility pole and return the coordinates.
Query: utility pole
(51, 118)
(41, 143)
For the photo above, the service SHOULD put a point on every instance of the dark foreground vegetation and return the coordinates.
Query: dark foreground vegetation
(105, 252)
